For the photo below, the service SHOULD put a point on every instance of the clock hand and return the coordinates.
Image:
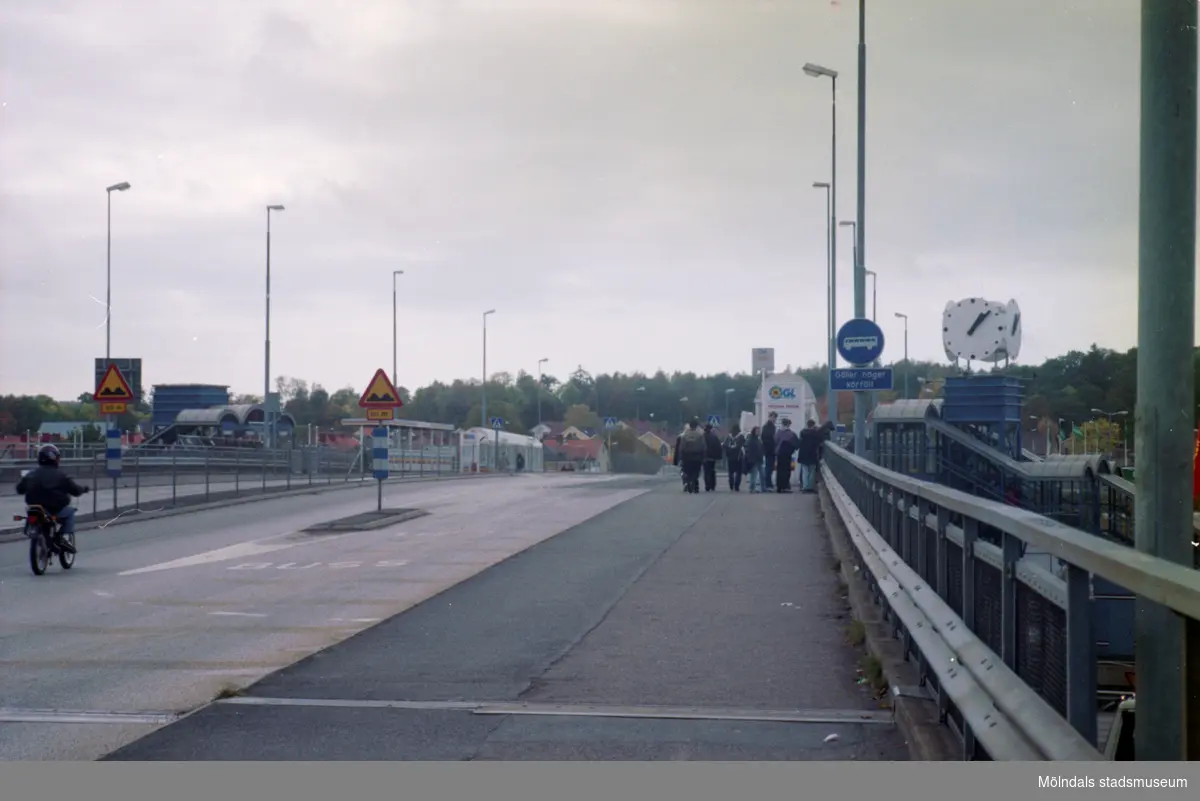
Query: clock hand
(1016, 322)
(978, 321)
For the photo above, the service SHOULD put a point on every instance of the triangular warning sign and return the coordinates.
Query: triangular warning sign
(380, 393)
(113, 387)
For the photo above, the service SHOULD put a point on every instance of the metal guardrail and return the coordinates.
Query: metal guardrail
(1004, 645)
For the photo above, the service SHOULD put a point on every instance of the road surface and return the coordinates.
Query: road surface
(165, 614)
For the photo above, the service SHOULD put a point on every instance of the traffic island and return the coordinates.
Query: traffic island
(366, 521)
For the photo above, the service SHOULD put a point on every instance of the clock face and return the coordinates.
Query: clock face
(973, 329)
(1015, 326)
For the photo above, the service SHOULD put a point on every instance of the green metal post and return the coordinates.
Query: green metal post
(1167, 680)
(860, 230)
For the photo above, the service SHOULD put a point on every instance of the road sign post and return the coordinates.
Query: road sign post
(860, 341)
(381, 400)
(379, 459)
(861, 379)
(610, 423)
(496, 423)
(114, 396)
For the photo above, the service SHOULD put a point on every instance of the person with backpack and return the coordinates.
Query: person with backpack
(735, 456)
(692, 449)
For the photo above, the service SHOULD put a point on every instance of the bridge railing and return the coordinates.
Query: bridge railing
(1004, 644)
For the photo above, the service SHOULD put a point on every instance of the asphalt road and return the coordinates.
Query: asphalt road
(667, 627)
(163, 615)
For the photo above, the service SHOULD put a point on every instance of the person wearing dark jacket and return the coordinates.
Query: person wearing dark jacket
(754, 460)
(50, 488)
(712, 455)
(735, 456)
(808, 455)
(691, 452)
(785, 445)
(768, 443)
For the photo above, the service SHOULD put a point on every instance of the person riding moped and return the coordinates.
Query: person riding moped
(49, 487)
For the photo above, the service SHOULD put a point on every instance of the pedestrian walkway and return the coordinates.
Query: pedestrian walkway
(672, 627)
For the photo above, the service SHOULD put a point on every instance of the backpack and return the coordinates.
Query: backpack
(735, 447)
(693, 444)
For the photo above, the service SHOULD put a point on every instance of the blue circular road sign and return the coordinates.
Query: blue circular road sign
(860, 341)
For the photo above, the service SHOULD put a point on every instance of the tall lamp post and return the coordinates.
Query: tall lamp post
(268, 416)
(818, 71)
(483, 386)
(830, 294)
(904, 317)
(539, 389)
(121, 187)
(638, 394)
(874, 293)
(395, 273)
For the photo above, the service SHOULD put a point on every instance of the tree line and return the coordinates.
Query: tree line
(1067, 388)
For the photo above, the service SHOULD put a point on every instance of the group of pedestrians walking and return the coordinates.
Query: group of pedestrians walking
(760, 456)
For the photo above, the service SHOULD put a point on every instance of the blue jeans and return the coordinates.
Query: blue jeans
(768, 464)
(755, 476)
(808, 475)
(67, 517)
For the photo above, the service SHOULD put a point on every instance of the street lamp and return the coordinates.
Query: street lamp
(817, 71)
(268, 417)
(874, 292)
(121, 187)
(830, 287)
(394, 312)
(728, 393)
(483, 386)
(853, 226)
(539, 390)
(904, 317)
(639, 392)
(682, 401)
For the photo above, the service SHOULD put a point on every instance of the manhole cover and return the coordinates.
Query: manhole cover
(365, 521)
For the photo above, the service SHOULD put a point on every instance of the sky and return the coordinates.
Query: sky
(628, 183)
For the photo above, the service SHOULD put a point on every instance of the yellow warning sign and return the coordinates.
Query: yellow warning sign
(113, 387)
(381, 414)
(380, 393)
(113, 407)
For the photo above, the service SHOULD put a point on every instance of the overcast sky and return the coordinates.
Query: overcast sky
(627, 182)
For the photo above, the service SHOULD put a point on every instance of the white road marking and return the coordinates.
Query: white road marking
(239, 551)
(237, 614)
(310, 565)
(102, 594)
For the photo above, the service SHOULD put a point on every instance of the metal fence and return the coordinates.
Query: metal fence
(167, 477)
(1003, 644)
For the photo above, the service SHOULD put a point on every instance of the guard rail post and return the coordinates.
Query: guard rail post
(174, 476)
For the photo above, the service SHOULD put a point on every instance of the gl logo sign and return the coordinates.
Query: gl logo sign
(778, 393)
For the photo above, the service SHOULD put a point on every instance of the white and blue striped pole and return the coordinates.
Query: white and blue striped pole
(379, 454)
(112, 456)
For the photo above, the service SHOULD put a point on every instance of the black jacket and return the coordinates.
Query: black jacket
(768, 438)
(713, 448)
(676, 456)
(735, 450)
(754, 449)
(786, 446)
(48, 487)
(809, 450)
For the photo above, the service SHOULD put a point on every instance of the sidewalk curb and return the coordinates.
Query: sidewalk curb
(917, 718)
(16, 534)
